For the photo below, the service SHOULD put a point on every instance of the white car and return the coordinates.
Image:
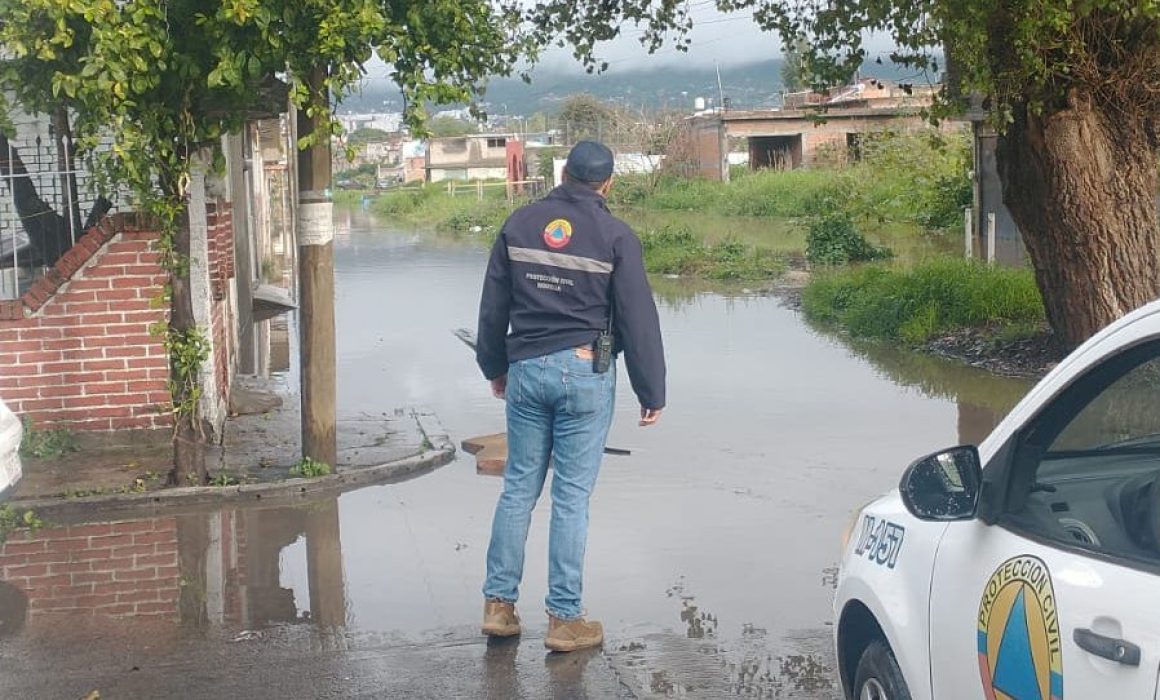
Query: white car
(10, 434)
(1028, 568)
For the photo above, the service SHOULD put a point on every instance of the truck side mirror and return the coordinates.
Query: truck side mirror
(944, 486)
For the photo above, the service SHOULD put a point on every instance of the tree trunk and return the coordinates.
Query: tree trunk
(189, 431)
(1081, 184)
(66, 164)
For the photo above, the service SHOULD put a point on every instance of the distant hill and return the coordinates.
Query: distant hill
(755, 84)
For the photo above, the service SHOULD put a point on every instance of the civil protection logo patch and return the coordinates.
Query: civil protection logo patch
(1020, 650)
(558, 233)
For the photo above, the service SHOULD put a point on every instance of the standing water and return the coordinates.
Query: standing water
(711, 549)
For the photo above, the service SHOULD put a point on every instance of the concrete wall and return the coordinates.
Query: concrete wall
(466, 151)
(822, 142)
(1009, 249)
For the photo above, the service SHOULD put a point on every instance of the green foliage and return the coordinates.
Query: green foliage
(919, 178)
(795, 75)
(584, 116)
(431, 205)
(187, 350)
(446, 127)
(364, 177)
(676, 250)
(46, 444)
(834, 240)
(13, 519)
(308, 468)
(912, 306)
(223, 479)
(366, 134)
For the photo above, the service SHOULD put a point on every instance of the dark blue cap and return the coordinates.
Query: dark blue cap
(589, 161)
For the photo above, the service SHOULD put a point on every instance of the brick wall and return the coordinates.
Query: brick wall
(126, 568)
(77, 350)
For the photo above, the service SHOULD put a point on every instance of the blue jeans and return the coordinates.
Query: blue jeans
(557, 409)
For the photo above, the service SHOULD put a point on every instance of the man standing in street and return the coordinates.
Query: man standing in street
(565, 292)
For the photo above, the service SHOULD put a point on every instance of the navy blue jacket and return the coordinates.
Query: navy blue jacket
(555, 270)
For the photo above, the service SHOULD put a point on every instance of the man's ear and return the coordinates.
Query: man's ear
(606, 187)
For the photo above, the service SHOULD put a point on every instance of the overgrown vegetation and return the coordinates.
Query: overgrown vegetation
(432, 205)
(676, 250)
(834, 240)
(917, 178)
(13, 519)
(309, 468)
(914, 305)
(47, 443)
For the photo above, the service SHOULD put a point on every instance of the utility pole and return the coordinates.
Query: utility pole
(720, 88)
(316, 285)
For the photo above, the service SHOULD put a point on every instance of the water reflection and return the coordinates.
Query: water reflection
(983, 399)
(190, 569)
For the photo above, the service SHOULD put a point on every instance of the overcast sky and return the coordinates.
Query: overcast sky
(717, 38)
(726, 39)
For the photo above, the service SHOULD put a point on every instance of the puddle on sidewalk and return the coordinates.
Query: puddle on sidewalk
(711, 548)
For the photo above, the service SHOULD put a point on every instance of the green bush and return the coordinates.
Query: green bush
(914, 305)
(915, 177)
(834, 240)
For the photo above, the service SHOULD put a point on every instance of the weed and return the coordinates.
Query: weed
(308, 468)
(912, 306)
(13, 519)
(46, 444)
(223, 479)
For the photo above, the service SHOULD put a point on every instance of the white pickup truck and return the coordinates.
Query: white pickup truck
(1028, 568)
(10, 434)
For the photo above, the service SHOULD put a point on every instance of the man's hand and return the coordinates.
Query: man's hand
(650, 416)
(499, 386)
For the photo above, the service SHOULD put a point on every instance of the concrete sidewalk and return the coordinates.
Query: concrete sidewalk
(301, 662)
(256, 458)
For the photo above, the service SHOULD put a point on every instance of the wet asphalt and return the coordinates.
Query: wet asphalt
(712, 548)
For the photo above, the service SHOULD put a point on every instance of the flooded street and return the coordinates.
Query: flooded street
(711, 552)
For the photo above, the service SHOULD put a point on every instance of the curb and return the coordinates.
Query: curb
(441, 451)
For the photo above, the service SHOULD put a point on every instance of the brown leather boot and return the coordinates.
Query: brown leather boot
(571, 635)
(500, 619)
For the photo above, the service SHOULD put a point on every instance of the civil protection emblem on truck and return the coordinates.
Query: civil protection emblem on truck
(1020, 649)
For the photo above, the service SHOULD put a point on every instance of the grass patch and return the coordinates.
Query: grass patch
(308, 468)
(914, 305)
(46, 444)
(433, 206)
(676, 250)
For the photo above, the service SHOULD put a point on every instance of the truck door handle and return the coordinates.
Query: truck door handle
(1109, 648)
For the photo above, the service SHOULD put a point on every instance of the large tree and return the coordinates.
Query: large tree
(1072, 86)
